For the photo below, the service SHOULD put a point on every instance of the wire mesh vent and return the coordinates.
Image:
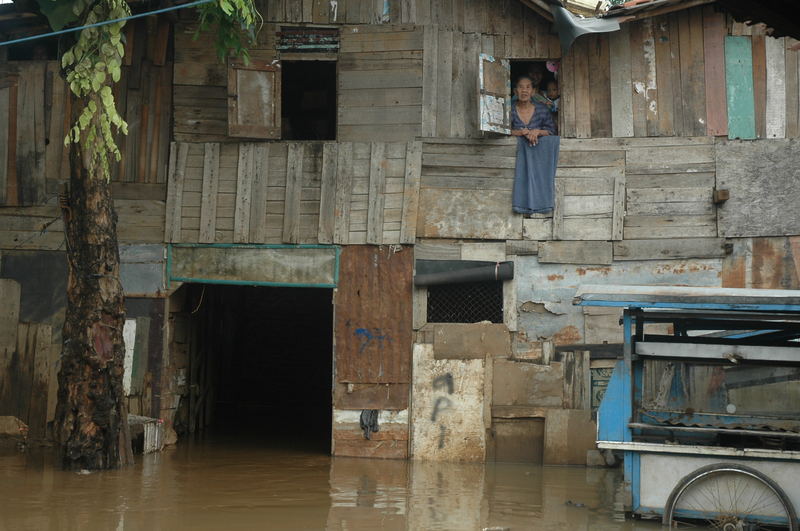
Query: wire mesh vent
(466, 303)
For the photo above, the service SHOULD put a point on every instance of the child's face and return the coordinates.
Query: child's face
(552, 91)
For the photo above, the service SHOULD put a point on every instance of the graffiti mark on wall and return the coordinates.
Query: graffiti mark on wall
(443, 383)
(440, 405)
(445, 380)
(369, 337)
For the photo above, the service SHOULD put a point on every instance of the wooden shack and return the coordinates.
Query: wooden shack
(273, 216)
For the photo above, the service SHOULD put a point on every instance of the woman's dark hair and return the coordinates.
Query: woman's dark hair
(520, 78)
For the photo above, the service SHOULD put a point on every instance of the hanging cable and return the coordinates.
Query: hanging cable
(106, 22)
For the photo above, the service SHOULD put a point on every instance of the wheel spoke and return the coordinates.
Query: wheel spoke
(729, 494)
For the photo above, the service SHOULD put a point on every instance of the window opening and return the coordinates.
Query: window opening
(546, 72)
(308, 101)
(470, 302)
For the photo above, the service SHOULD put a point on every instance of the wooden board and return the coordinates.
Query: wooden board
(208, 208)
(294, 174)
(714, 62)
(669, 249)
(792, 91)
(177, 167)
(692, 73)
(377, 191)
(600, 102)
(759, 51)
(4, 142)
(9, 319)
(620, 82)
(30, 141)
(776, 88)
(344, 175)
(739, 83)
(373, 323)
(740, 171)
(408, 230)
(392, 397)
(575, 252)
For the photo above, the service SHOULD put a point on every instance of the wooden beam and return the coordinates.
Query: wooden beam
(663, 10)
(539, 7)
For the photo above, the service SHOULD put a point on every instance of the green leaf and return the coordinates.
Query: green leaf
(59, 13)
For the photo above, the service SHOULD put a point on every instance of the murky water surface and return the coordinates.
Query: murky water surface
(219, 484)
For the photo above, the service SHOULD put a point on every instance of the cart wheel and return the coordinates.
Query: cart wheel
(730, 497)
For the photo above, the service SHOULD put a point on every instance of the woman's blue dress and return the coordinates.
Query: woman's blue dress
(535, 172)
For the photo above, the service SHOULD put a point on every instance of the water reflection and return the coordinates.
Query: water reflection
(241, 486)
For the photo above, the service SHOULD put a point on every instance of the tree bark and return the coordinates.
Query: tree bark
(91, 415)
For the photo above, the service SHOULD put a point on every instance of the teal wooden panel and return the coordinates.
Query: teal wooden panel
(739, 81)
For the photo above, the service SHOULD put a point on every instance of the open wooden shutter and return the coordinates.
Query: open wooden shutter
(494, 83)
(254, 99)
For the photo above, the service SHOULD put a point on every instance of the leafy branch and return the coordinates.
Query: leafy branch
(237, 23)
(94, 63)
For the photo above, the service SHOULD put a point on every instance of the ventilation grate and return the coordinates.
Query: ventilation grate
(466, 303)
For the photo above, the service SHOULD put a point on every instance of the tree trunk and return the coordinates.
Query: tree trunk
(91, 416)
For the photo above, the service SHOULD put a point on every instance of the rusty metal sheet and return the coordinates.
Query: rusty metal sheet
(373, 325)
(764, 263)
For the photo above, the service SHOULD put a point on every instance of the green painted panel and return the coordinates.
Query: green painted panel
(739, 81)
(298, 266)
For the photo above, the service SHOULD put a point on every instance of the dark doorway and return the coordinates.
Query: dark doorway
(264, 363)
(534, 68)
(308, 105)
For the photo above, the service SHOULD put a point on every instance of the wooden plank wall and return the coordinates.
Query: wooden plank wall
(380, 83)
(665, 76)
(606, 190)
(141, 220)
(291, 192)
(200, 82)
(36, 162)
(144, 99)
(451, 65)
(498, 17)
(32, 133)
(466, 192)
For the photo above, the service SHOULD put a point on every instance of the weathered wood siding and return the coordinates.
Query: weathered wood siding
(412, 71)
(666, 76)
(140, 211)
(497, 17)
(290, 192)
(605, 190)
(380, 83)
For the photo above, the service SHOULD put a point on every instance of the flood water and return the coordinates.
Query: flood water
(220, 483)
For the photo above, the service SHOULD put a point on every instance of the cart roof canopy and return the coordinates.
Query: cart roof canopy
(683, 297)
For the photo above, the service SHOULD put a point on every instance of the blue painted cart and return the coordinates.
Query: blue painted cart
(705, 404)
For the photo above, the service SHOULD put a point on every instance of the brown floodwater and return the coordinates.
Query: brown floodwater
(233, 484)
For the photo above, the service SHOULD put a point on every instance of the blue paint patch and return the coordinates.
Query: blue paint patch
(368, 336)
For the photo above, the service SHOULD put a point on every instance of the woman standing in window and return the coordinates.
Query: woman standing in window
(537, 151)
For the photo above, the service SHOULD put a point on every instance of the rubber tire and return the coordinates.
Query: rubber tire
(686, 481)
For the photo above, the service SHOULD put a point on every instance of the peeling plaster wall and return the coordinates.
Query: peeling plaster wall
(545, 292)
(447, 415)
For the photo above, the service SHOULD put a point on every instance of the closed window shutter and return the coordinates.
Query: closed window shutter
(254, 99)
